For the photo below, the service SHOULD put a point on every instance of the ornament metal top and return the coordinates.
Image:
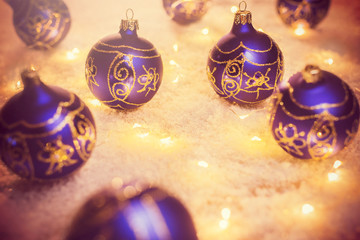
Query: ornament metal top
(304, 13)
(186, 11)
(41, 24)
(133, 212)
(246, 65)
(315, 114)
(123, 70)
(46, 132)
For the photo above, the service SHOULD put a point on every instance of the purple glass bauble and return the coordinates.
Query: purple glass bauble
(186, 11)
(307, 13)
(246, 65)
(122, 70)
(315, 114)
(41, 24)
(46, 132)
(133, 212)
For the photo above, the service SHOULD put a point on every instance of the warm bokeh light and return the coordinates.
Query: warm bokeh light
(337, 164)
(176, 47)
(260, 30)
(71, 55)
(329, 61)
(203, 164)
(256, 138)
(143, 135)
(176, 79)
(18, 85)
(307, 209)
(333, 177)
(225, 213)
(95, 102)
(172, 62)
(223, 224)
(242, 117)
(117, 182)
(205, 31)
(166, 141)
(299, 30)
(234, 9)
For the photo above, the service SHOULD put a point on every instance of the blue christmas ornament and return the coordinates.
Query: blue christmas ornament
(133, 212)
(41, 24)
(46, 132)
(314, 115)
(122, 70)
(305, 13)
(186, 11)
(246, 65)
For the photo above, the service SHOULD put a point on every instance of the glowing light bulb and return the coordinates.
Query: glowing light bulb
(333, 177)
(172, 62)
(176, 47)
(95, 102)
(299, 30)
(337, 164)
(166, 141)
(71, 55)
(256, 138)
(203, 164)
(225, 213)
(143, 135)
(176, 79)
(234, 9)
(260, 30)
(223, 224)
(205, 31)
(329, 61)
(307, 209)
(242, 117)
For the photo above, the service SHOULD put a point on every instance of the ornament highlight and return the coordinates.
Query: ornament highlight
(246, 65)
(46, 132)
(315, 114)
(186, 11)
(302, 13)
(41, 24)
(133, 212)
(123, 70)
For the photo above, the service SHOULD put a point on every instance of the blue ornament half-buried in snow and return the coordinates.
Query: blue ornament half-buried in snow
(46, 132)
(315, 114)
(246, 65)
(133, 212)
(124, 71)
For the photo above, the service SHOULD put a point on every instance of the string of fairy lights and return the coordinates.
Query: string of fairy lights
(144, 133)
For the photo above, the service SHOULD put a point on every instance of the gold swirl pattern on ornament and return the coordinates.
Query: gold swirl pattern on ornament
(320, 106)
(293, 143)
(125, 46)
(57, 154)
(351, 133)
(90, 73)
(118, 52)
(15, 148)
(324, 113)
(150, 78)
(241, 45)
(321, 139)
(151, 209)
(212, 79)
(51, 120)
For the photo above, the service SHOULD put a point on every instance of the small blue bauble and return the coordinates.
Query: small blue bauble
(133, 212)
(314, 115)
(41, 24)
(307, 13)
(246, 65)
(46, 132)
(186, 11)
(124, 71)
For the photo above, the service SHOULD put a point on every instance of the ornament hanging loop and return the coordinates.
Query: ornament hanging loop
(245, 6)
(131, 12)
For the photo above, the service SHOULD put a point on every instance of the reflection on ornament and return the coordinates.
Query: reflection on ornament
(186, 11)
(122, 70)
(314, 115)
(41, 24)
(51, 135)
(304, 13)
(132, 212)
(245, 65)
